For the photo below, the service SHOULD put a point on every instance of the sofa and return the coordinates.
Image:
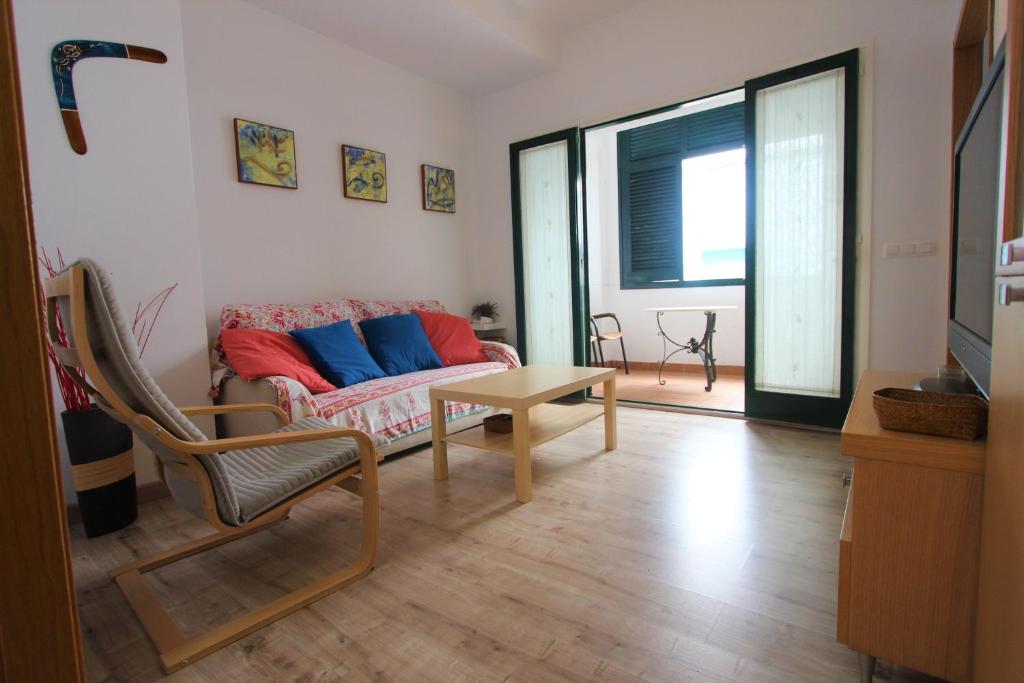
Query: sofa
(396, 410)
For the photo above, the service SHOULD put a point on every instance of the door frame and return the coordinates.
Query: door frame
(584, 226)
(860, 230)
(778, 406)
(39, 630)
(579, 281)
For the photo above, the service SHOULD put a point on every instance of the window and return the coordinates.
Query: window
(714, 216)
(682, 201)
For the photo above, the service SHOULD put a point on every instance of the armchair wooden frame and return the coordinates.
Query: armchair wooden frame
(175, 648)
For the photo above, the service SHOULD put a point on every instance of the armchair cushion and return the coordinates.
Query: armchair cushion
(399, 344)
(255, 354)
(263, 477)
(244, 482)
(338, 354)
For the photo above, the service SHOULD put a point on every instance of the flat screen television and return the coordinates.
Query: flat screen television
(975, 230)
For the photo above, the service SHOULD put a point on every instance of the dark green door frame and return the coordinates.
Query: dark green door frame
(577, 243)
(829, 412)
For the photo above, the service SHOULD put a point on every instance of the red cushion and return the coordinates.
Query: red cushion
(264, 353)
(452, 338)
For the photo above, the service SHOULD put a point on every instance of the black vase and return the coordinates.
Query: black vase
(100, 450)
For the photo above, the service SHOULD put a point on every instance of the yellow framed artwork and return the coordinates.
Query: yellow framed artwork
(364, 173)
(438, 188)
(265, 155)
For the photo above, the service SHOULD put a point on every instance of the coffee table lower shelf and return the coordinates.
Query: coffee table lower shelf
(525, 391)
(547, 421)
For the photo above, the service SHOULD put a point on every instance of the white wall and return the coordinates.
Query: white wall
(642, 340)
(661, 52)
(264, 244)
(129, 203)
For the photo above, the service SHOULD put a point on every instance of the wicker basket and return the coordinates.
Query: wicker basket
(925, 412)
(499, 424)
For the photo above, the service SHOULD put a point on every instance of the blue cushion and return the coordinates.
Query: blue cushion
(399, 344)
(337, 354)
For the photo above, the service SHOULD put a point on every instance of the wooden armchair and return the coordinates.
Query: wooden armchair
(239, 485)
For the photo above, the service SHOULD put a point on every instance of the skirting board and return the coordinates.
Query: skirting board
(148, 492)
(676, 367)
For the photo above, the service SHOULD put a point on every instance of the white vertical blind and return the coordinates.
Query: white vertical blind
(799, 229)
(547, 279)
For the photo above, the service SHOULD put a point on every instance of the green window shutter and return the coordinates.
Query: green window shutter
(655, 140)
(650, 204)
(650, 189)
(714, 130)
(654, 217)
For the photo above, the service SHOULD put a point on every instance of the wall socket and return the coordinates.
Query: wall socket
(905, 249)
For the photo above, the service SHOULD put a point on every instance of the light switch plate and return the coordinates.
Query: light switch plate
(908, 249)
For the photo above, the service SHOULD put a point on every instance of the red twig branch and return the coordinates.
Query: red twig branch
(142, 328)
(72, 393)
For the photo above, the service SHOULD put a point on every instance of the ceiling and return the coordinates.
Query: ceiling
(473, 46)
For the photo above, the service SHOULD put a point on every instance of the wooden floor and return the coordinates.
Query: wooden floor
(703, 549)
(680, 389)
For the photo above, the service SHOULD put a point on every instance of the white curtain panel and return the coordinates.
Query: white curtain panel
(799, 228)
(547, 284)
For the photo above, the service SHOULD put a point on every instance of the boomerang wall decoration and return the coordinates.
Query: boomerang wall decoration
(64, 57)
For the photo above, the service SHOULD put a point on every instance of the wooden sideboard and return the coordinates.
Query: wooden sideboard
(908, 550)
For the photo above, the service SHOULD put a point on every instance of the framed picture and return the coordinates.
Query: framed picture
(438, 188)
(265, 155)
(364, 173)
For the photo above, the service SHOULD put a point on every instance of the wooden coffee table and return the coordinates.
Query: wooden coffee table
(524, 391)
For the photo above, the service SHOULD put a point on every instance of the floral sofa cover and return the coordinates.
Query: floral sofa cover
(394, 408)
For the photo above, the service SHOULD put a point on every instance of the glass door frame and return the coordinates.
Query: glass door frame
(808, 410)
(577, 243)
(584, 130)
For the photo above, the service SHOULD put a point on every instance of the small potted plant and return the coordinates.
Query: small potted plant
(485, 312)
(99, 447)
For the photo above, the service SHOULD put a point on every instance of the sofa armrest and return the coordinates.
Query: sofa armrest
(287, 394)
(502, 353)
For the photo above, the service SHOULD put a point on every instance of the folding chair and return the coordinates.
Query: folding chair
(596, 337)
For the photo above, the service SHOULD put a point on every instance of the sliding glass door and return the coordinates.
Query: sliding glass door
(801, 130)
(548, 249)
